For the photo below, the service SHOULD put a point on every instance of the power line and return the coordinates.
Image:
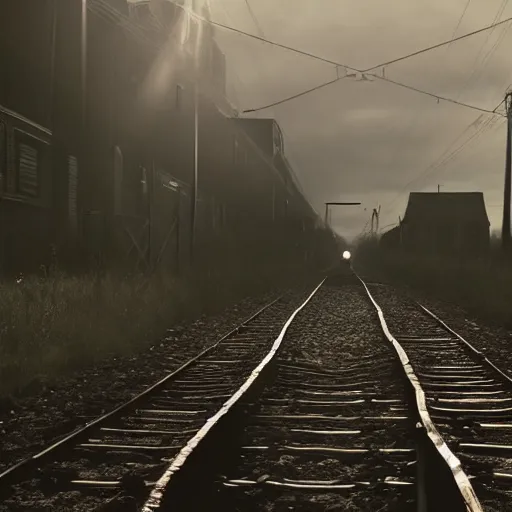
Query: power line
(273, 43)
(339, 64)
(294, 96)
(394, 82)
(335, 63)
(447, 155)
(254, 19)
(439, 45)
(432, 95)
(442, 162)
(492, 51)
(453, 155)
(475, 65)
(460, 20)
(499, 105)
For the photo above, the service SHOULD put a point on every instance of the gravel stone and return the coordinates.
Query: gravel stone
(29, 423)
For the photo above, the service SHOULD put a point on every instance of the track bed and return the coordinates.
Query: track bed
(468, 397)
(332, 429)
(115, 460)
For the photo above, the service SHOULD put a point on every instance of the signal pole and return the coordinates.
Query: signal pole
(505, 231)
(336, 204)
(376, 219)
(193, 200)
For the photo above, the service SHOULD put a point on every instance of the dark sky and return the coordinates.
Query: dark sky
(373, 141)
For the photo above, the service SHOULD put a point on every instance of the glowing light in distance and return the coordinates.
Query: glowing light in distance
(346, 255)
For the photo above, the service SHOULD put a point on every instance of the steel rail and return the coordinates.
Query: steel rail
(29, 462)
(465, 488)
(478, 353)
(158, 492)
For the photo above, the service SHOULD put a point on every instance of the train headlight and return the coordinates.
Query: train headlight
(346, 255)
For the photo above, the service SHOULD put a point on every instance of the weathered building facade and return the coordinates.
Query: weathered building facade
(443, 223)
(109, 110)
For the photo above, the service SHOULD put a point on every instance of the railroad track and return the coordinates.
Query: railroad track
(245, 423)
(468, 396)
(109, 461)
(354, 436)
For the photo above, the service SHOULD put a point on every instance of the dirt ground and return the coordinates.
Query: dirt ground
(48, 410)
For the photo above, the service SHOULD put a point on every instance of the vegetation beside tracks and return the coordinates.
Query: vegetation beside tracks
(52, 325)
(482, 287)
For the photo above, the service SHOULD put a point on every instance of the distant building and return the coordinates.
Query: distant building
(265, 133)
(445, 223)
(268, 136)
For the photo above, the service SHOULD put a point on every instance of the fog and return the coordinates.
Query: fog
(374, 141)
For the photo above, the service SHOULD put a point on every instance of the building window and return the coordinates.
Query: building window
(28, 170)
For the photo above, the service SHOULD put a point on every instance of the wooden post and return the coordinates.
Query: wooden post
(505, 231)
(273, 203)
(150, 179)
(178, 233)
(194, 175)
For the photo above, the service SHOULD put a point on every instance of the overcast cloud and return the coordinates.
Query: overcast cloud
(367, 140)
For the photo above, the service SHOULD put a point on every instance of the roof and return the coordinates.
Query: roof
(440, 206)
(391, 233)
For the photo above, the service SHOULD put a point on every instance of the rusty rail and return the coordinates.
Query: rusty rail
(461, 495)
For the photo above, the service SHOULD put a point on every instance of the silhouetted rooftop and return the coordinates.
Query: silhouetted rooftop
(442, 206)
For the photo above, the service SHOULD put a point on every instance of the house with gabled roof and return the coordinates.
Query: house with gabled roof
(444, 223)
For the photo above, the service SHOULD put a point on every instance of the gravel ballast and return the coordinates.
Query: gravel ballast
(492, 339)
(48, 411)
(337, 332)
(405, 318)
(33, 493)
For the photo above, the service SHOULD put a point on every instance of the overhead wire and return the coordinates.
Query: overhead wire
(487, 125)
(417, 114)
(437, 96)
(498, 15)
(291, 169)
(492, 26)
(254, 19)
(339, 64)
(438, 45)
(292, 97)
(446, 156)
(487, 58)
(386, 79)
(270, 42)
(347, 67)
(414, 120)
(498, 41)
(450, 155)
(460, 21)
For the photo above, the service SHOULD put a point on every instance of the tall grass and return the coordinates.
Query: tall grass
(483, 287)
(53, 325)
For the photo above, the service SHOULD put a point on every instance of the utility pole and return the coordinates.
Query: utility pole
(83, 63)
(376, 218)
(336, 204)
(82, 147)
(193, 199)
(505, 231)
